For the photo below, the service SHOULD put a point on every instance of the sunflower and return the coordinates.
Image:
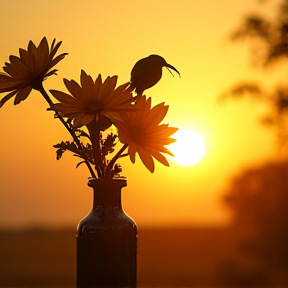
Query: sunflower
(92, 99)
(28, 71)
(140, 130)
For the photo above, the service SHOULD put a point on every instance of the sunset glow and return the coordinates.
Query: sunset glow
(108, 38)
(189, 148)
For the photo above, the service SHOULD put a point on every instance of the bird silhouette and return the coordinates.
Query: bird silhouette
(147, 72)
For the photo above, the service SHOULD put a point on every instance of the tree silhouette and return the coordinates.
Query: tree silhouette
(269, 37)
(258, 199)
(269, 43)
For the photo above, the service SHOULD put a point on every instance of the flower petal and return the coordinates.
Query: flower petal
(159, 157)
(107, 88)
(7, 97)
(146, 158)
(75, 89)
(70, 111)
(157, 113)
(42, 56)
(83, 119)
(132, 151)
(22, 95)
(8, 83)
(63, 97)
(87, 84)
(17, 65)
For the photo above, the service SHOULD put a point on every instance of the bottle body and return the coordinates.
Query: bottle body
(106, 240)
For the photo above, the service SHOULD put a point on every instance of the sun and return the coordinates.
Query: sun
(189, 148)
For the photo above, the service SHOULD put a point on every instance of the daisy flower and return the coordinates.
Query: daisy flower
(141, 131)
(28, 71)
(91, 99)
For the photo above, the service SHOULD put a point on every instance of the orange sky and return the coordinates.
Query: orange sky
(108, 37)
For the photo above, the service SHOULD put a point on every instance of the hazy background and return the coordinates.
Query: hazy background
(197, 226)
(108, 37)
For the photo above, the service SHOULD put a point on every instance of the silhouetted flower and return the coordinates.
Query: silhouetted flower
(141, 131)
(28, 71)
(93, 99)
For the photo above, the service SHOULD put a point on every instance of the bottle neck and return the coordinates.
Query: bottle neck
(107, 192)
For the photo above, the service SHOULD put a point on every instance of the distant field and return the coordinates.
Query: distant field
(166, 258)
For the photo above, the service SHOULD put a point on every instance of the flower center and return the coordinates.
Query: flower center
(36, 80)
(137, 134)
(93, 107)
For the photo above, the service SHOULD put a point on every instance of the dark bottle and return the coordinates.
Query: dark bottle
(106, 240)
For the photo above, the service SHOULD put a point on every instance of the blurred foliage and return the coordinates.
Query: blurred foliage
(269, 38)
(269, 43)
(258, 199)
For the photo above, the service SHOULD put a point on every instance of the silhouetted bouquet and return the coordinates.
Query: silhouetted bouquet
(91, 108)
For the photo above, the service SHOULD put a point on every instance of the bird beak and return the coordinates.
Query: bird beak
(173, 68)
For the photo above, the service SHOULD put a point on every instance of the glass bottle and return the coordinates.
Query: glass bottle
(106, 240)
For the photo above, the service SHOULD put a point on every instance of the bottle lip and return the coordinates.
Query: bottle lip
(122, 182)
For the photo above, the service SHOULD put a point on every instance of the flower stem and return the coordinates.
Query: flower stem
(72, 133)
(94, 131)
(114, 159)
